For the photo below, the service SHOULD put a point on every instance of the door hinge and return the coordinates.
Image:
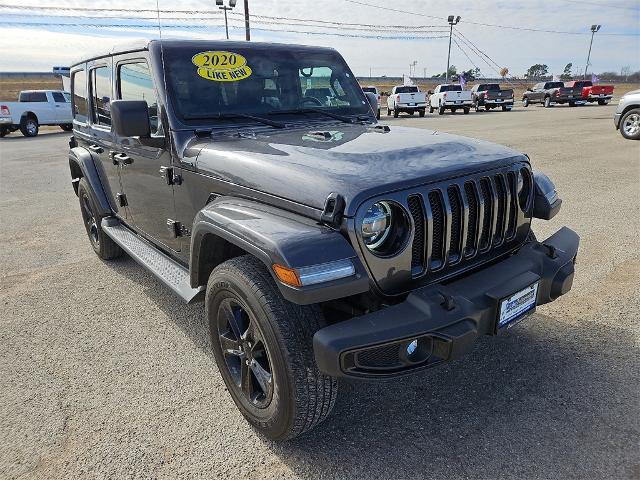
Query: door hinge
(176, 229)
(170, 176)
(122, 199)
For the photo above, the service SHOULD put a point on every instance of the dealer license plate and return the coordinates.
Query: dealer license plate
(602, 94)
(458, 101)
(498, 99)
(516, 306)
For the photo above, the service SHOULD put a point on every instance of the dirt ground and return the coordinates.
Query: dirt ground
(105, 374)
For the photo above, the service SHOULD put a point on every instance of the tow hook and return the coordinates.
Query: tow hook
(551, 251)
(448, 303)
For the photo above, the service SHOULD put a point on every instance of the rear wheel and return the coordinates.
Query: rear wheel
(466, 111)
(3, 131)
(453, 110)
(29, 126)
(602, 102)
(505, 108)
(630, 124)
(388, 112)
(547, 102)
(378, 114)
(104, 247)
(441, 110)
(263, 347)
(395, 113)
(421, 112)
(431, 109)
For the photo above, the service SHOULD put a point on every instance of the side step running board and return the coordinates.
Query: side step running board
(171, 273)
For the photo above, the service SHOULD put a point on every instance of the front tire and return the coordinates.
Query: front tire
(101, 243)
(602, 102)
(441, 110)
(630, 124)
(525, 102)
(547, 102)
(267, 359)
(29, 127)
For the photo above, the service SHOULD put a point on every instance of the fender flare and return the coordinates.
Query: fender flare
(81, 164)
(274, 236)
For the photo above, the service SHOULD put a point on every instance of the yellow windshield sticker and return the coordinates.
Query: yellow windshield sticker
(219, 66)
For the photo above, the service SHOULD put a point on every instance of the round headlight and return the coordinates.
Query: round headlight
(385, 228)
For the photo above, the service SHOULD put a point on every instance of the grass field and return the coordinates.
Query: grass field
(9, 88)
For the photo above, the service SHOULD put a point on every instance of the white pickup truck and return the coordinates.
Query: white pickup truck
(35, 108)
(406, 98)
(450, 97)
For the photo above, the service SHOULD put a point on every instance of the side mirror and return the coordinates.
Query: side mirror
(130, 118)
(372, 98)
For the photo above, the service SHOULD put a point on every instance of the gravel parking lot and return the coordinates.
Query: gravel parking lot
(105, 374)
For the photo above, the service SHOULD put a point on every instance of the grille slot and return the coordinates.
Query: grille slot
(437, 211)
(513, 212)
(502, 205)
(456, 223)
(487, 199)
(472, 228)
(417, 248)
(385, 356)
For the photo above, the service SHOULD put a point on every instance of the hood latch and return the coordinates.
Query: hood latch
(333, 210)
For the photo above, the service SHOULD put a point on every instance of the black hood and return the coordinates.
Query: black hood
(356, 161)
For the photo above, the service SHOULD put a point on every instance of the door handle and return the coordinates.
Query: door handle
(121, 158)
(96, 148)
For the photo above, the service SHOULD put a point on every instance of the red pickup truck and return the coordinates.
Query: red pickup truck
(593, 93)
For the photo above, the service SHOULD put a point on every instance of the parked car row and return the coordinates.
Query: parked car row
(35, 108)
(577, 92)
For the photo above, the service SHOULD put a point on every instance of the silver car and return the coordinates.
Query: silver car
(627, 116)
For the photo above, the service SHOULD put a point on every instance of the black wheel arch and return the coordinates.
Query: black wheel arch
(29, 114)
(82, 165)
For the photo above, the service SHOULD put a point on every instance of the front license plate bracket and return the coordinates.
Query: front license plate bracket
(517, 306)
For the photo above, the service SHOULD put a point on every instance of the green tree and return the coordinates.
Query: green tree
(536, 71)
(566, 74)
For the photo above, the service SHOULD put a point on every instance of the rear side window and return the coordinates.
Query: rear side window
(135, 83)
(58, 97)
(33, 97)
(101, 96)
(79, 96)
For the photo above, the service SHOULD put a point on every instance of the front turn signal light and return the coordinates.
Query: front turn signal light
(287, 275)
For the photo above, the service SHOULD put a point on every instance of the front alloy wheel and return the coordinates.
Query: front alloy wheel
(630, 124)
(245, 353)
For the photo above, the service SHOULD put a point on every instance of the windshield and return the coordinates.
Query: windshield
(208, 83)
(450, 88)
(555, 85)
(406, 89)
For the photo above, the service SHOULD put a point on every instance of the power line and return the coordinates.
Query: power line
(482, 24)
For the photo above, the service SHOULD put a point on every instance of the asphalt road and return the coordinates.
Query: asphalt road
(105, 374)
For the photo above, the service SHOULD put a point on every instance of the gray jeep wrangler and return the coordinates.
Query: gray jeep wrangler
(255, 177)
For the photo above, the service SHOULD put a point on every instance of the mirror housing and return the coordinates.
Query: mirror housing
(372, 98)
(546, 203)
(130, 118)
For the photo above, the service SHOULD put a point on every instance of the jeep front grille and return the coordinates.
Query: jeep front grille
(459, 221)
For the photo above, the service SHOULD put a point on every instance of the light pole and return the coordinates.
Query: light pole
(221, 6)
(594, 29)
(247, 31)
(412, 67)
(452, 21)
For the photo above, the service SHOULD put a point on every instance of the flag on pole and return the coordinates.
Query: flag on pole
(462, 80)
(594, 78)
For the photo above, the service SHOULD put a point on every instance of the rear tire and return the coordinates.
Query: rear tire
(378, 114)
(441, 110)
(505, 108)
(29, 126)
(388, 112)
(466, 111)
(3, 131)
(395, 113)
(101, 243)
(602, 102)
(431, 109)
(421, 113)
(267, 363)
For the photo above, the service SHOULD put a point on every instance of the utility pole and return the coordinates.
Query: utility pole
(452, 21)
(221, 6)
(247, 30)
(594, 29)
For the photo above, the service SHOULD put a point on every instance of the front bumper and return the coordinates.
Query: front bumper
(447, 318)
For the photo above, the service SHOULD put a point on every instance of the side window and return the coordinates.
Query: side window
(135, 83)
(58, 97)
(38, 97)
(79, 96)
(101, 96)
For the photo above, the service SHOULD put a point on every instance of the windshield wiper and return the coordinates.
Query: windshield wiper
(342, 118)
(223, 116)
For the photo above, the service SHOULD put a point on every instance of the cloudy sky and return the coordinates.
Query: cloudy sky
(418, 32)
